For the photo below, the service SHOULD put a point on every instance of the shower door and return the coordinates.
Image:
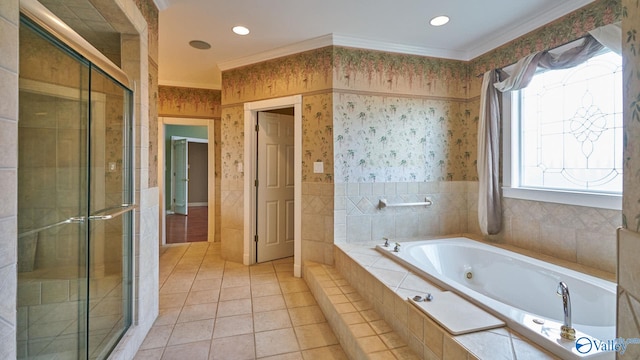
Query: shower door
(74, 203)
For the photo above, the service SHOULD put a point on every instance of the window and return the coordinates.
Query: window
(566, 135)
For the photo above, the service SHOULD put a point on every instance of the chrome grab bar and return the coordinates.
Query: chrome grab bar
(119, 210)
(383, 203)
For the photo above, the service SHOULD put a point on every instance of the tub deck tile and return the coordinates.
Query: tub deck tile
(393, 313)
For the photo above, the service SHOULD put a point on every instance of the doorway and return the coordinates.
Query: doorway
(252, 163)
(187, 185)
(203, 211)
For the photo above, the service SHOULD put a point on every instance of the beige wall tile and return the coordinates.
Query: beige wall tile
(597, 250)
(8, 243)
(313, 315)
(628, 265)
(558, 241)
(452, 350)
(433, 337)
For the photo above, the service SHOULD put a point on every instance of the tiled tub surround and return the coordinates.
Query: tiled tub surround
(359, 220)
(582, 235)
(359, 328)
(513, 287)
(386, 285)
(578, 234)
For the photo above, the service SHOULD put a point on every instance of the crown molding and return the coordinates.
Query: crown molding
(361, 43)
(339, 40)
(306, 45)
(162, 4)
(563, 8)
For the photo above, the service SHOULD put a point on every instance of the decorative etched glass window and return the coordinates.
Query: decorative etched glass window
(570, 130)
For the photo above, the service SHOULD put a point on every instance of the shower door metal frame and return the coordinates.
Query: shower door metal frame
(50, 27)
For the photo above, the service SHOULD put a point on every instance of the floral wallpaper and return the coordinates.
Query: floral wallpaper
(377, 71)
(295, 74)
(631, 54)
(317, 137)
(192, 102)
(232, 142)
(398, 139)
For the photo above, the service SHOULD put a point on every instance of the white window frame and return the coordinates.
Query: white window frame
(511, 165)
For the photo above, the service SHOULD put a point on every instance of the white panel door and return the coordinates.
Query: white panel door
(275, 187)
(180, 176)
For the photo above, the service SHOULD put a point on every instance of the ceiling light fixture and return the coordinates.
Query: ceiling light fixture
(439, 20)
(199, 44)
(240, 30)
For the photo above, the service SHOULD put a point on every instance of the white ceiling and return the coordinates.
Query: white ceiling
(281, 27)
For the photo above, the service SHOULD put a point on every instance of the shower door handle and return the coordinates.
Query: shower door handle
(71, 220)
(112, 212)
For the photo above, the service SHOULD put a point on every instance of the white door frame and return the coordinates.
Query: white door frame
(251, 110)
(211, 172)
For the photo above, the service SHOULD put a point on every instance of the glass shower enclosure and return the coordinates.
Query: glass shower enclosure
(75, 195)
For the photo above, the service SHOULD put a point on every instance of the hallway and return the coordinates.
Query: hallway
(190, 228)
(214, 309)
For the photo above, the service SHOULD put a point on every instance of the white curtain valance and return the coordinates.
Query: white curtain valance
(609, 36)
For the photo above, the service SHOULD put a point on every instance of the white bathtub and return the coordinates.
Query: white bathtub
(519, 289)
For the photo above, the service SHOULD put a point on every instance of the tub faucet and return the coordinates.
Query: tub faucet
(566, 331)
(396, 248)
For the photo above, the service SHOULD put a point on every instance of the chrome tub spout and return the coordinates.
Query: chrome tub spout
(566, 330)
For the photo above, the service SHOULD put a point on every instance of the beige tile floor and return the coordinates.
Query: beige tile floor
(214, 309)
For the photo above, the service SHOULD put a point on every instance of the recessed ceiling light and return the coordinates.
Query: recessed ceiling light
(439, 20)
(240, 30)
(199, 44)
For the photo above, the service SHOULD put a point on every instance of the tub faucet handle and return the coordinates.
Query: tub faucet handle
(396, 248)
(386, 242)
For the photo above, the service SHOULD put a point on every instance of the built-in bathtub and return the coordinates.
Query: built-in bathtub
(520, 290)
